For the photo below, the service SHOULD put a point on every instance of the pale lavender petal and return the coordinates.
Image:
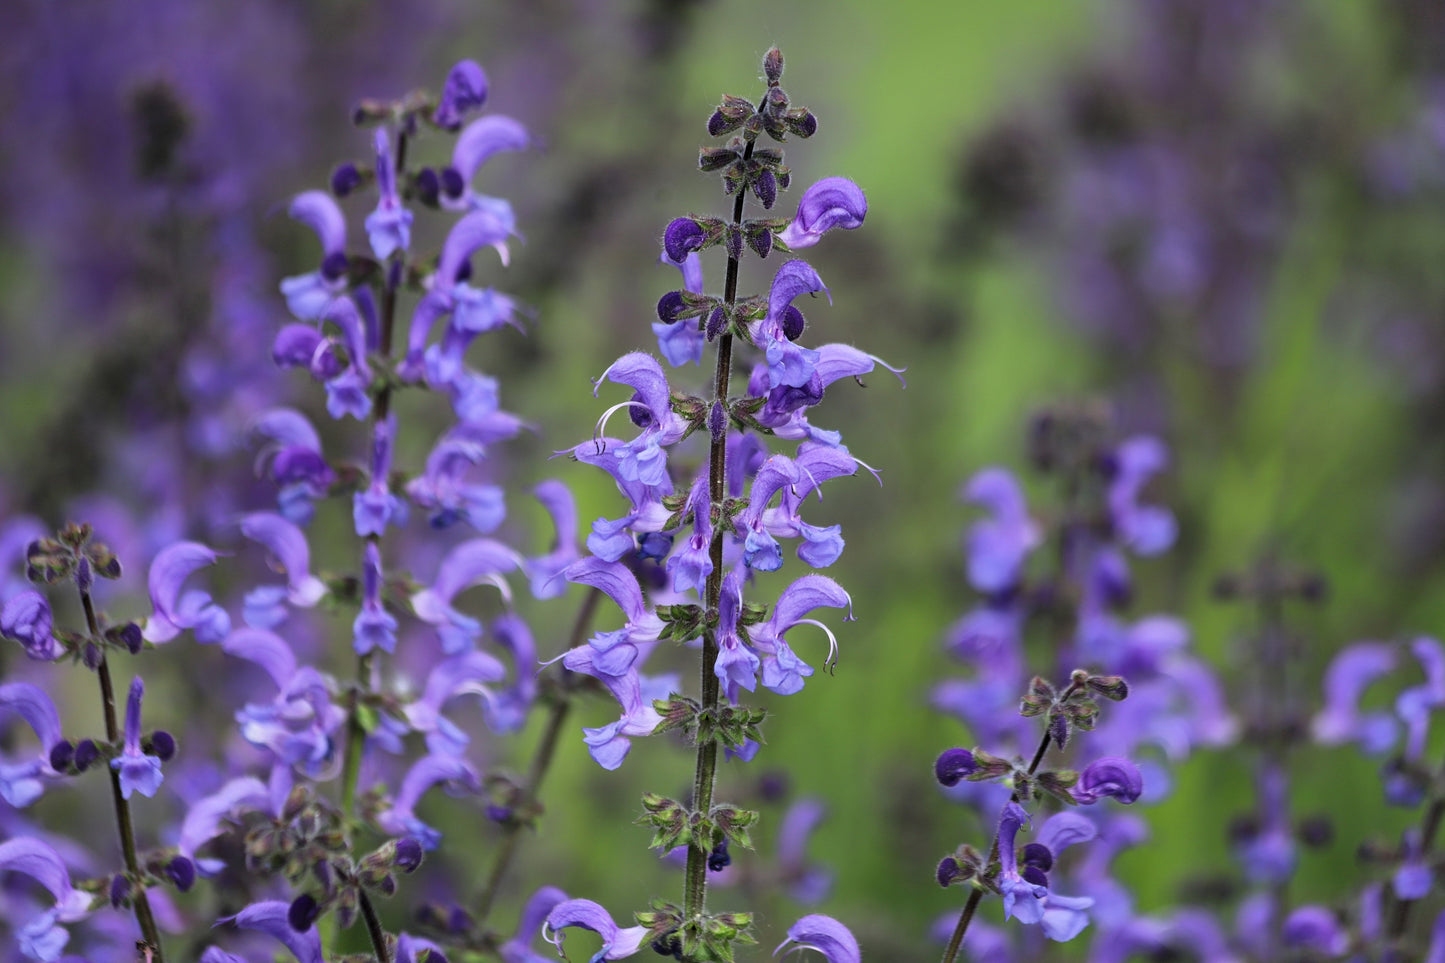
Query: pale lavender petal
(270, 917)
(616, 941)
(825, 935)
(320, 212)
(475, 230)
(615, 580)
(287, 544)
(168, 572)
(480, 559)
(43, 864)
(1350, 673)
(833, 202)
(484, 137)
(203, 820)
(793, 279)
(267, 649)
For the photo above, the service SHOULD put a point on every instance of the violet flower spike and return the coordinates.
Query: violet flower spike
(833, 202)
(539, 906)
(824, 935)
(617, 942)
(21, 783)
(374, 507)
(388, 228)
(1021, 898)
(138, 772)
(175, 612)
(26, 618)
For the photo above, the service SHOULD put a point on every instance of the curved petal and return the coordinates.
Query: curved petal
(465, 90)
(168, 572)
(1062, 830)
(793, 279)
(203, 819)
(804, 595)
(643, 374)
(485, 137)
(319, 211)
(833, 202)
(475, 230)
(614, 579)
(267, 649)
(43, 864)
(463, 566)
(287, 544)
(270, 917)
(824, 934)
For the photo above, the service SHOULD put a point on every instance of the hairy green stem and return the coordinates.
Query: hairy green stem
(141, 903)
(705, 773)
(537, 770)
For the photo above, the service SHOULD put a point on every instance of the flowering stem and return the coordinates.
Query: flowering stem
(143, 916)
(974, 898)
(695, 891)
(541, 760)
(373, 928)
(1399, 909)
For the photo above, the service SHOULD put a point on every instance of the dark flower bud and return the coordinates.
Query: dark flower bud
(345, 179)
(719, 859)
(1035, 875)
(408, 854)
(62, 754)
(773, 66)
(428, 186)
(801, 122)
(638, 411)
(717, 420)
(716, 321)
(387, 885)
(294, 346)
(792, 323)
(1316, 830)
(453, 185)
(765, 186)
(465, 90)
(296, 801)
(103, 560)
(498, 814)
(163, 745)
(86, 753)
(1110, 686)
(711, 159)
(670, 306)
(458, 920)
(952, 765)
(92, 656)
(1243, 828)
(130, 636)
(773, 786)
(182, 872)
(347, 906)
(950, 871)
(1059, 729)
(119, 890)
(1111, 776)
(329, 360)
(718, 124)
(683, 235)
(776, 100)
(84, 578)
(303, 912)
(761, 241)
(654, 545)
(334, 265)
(1037, 854)
(734, 241)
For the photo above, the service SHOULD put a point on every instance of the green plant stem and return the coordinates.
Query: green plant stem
(141, 903)
(705, 773)
(373, 928)
(537, 769)
(974, 898)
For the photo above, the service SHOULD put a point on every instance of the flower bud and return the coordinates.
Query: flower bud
(683, 235)
(428, 186)
(303, 912)
(130, 636)
(345, 179)
(163, 745)
(953, 765)
(453, 184)
(765, 186)
(84, 578)
(86, 753)
(119, 890)
(62, 754)
(182, 872)
(670, 307)
(773, 66)
(408, 854)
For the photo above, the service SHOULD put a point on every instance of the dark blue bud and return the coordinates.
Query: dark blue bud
(452, 183)
(717, 420)
(1037, 854)
(294, 346)
(948, 871)
(761, 242)
(765, 186)
(952, 765)
(498, 814)
(334, 266)
(345, 179)
(719, 859)
(459, 920)
(715, 322)
(131, 638)
(638, 411)
(119, 890)
(92, 656)
(773, 66)
(670, 306)
(1035, 875)
(654, 545)
(163, 745)
(84, 577)
(464, 91)
(773, 786)
(792, 323)
(718, 124)
(408, 854)
(683, 235)
(182, 872)
(62, 754)
(428, 186)
(303, 912)
(86, 753)
(735, 243)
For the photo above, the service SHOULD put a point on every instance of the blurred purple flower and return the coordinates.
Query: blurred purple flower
(617, 942)
(825, 935)
(26, 618)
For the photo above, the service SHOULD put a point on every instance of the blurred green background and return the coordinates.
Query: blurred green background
(1317, 432)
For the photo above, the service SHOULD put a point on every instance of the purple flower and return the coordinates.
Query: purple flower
(26, 618)
(294, 460)
(291, 556)
(953, 765)
(998, 547)
(374, 627)
(544, 570)
(1350, 673)
(443, 490)
(643, 459)
(478, 560)
(375, 506)
(21, 783)
(42, 938)
(1110, 776)
(175, 612)
(1147, 529)
(1021, 898)
(833, 202)
(806, 882)
(299, 724)
(270, 917)
(824, 935)
(308, 295)
(465, 90)
(690, 566)
(788, 364)
(203, 820)
(466, 673)
(1414, 877)
(138, 772)
(617, 942)
(783, 672)
(401, 820)
(539, 906)
(389, 226)
(737, 664)
(1316, 928)
(474, 147)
